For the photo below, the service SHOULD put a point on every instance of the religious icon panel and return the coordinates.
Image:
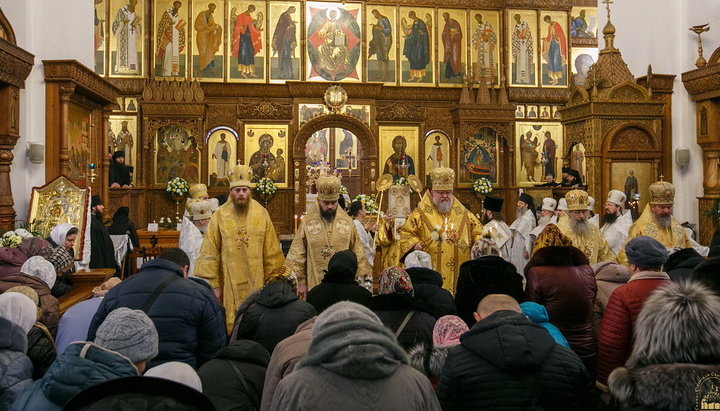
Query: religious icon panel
(485, 45)
(176, 155)
(207, 32)
(437, 152)
(222, 144)
(266, 148)
(539, 151)
(126, 38)
(100, 36)
(520, 111)
(583, 22)
(317, 148)
(246, 41)
(478, 157)
(582, 58)
(577, 161)
(452, 38)
(359, 112)
(522, 29)
(417, 46)
(79, 144)
(634, 179)
(334, 41)
(346, 150)
(381, 46)
(554, 51)
(307, 112)
(123, 137)
(398, 150)
(285, 48)
(170, 38)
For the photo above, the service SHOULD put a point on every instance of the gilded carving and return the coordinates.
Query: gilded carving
(400, 111)
(221, 114)
(265, 110)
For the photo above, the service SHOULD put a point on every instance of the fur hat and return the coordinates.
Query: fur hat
(130, 333)
(549, 204)
(646, 252)
(707, 273)
(39, 267)
(617, 197)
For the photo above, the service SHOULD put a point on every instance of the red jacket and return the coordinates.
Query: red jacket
(616, 327)
(561, 279)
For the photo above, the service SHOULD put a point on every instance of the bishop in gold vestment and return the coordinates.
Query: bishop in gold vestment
(322, 233)
(584, 235)
(442, 227)
(657, 220)
(240, 248)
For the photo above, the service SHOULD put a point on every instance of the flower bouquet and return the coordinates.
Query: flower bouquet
(368, 202)
(177, 187)
(11, 239)
(482, 186)
(266, 188)
(168, 223)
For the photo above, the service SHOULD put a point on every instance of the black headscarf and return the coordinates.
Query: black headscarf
(123, 225)
(341, 268)
(119, 173)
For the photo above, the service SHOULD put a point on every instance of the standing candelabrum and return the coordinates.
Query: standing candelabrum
(699, 30)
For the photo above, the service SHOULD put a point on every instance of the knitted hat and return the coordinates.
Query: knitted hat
(341, 312)
(418, 258)
(549, 204)
(493, 204)
(18, 309)
(103, 288)
(447, 331)
(60, 259)
(617, 197)
(178, 372)
(395, 280)
(39, 267)
(646, 252)
(130, 333)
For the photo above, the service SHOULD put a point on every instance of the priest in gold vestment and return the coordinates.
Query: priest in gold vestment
(325, 230)
(584, 235)
(442, 227)
(240, 248)
(657, 220)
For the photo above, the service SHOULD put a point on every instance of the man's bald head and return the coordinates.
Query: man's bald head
(495, 302)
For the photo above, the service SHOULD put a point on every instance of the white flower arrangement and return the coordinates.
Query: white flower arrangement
(11, 239)
(177, 187)
(343, 190)
(167, 222)
(368, 202)
(23, 233)
(482, 186)
(402, 181)
(266, 186)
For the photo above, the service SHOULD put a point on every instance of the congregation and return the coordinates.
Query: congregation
(564, 309)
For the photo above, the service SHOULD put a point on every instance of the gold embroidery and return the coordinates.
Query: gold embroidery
(242, 237)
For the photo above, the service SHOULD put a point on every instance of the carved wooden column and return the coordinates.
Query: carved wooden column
(65, 90)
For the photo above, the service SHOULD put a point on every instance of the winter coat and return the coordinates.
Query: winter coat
(616, 328)
(681, 263)
(15, 367)
(354, 365)
(49, 306)
(427, 285)
(188, 318)
(273, 316)
(233, 380)
(608, 277)
(334, 289)
(507, 361)
(41, 350)
(538, 314)
(561, 279)
(74, 324)
(11, 259)
(481, 277)
(80, 367)
(392, 310)
(284, 358)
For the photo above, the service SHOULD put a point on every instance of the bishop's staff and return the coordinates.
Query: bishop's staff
(381, 185)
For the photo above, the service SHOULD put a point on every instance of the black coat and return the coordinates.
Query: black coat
(102, 250)
(481, 277)
(119, 173)
(188, 317)
(507, 361)
(392, 310)
(41, 350)
(427, 285)
(681, 264)
(229, 389)
(333, 290)
(273, 316)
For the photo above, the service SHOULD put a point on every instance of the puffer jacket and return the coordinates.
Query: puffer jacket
(49, 305)
(273, 316)
(681, 264)
(427, 285)
(616, 329)
(41, 350)
(233, 380)
(608, 277)
(561, 280)
(82, 366)
(392, 310)
(506, 361)
(15, 367)
(539, 315)
(187, 316)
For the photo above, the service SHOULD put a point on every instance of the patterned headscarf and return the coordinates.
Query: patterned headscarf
(484, 247)
(60, 259)
(447, 331)
(41, 268)
(283, 274)
(33, 246)
(551, 236)
(395, 280)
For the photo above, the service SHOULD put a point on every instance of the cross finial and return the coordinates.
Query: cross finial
(607, 6)
(662, 177)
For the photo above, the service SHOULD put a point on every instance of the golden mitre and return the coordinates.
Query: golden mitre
(241, 176)
(443, 178)
(198, 191)
(577, 200)
(328, 188)
(662, 193)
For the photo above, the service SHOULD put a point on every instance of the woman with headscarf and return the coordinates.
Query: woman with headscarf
(362, 360)
(64, 264)
(178, 372)
(430, 360)
(339, 283)
(122, 224)
(64, 235)
(396, 306)
(35, 246)
(17, 316)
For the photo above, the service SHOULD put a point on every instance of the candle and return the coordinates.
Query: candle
(296, 223)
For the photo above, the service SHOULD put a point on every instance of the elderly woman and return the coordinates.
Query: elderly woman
(17, 316)
(430, 360)
(64, 235)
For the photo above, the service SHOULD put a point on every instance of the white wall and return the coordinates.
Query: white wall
(51, 30)
(656, 32)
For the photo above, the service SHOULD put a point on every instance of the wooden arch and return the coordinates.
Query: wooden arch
(6, 30)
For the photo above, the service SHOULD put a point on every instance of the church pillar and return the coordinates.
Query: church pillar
(65, 91)
(9, 120)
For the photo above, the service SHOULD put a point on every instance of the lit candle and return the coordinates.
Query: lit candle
(296, 223)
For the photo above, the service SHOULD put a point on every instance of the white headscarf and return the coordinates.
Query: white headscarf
(39, 267)
(59, 232)
(19, 309)
(418, 258)
(178, 372)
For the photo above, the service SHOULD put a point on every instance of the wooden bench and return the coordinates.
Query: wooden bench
(83, 283)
